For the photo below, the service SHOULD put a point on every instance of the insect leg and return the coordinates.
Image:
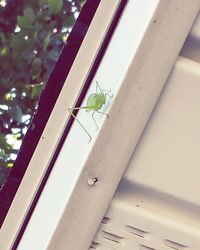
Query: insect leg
(102, 113)
(71, 112)
(94, 120)
(101, 90)
(106, 94)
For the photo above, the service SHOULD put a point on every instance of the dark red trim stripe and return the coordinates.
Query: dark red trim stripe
(45, 105)
(83, 22)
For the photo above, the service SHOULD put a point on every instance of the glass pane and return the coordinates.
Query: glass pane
(32, 34)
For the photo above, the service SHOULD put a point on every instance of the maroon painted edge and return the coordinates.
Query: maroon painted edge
(45, 106)
(85, 18)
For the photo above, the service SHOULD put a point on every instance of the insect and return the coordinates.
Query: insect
(94, 103)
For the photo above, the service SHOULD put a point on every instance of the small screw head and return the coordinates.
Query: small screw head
(92, 181)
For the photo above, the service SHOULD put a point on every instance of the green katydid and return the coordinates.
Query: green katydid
(94, 103)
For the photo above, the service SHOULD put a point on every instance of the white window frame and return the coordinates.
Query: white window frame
(143, 59)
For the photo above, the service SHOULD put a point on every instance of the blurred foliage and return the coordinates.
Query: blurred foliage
(32, 34)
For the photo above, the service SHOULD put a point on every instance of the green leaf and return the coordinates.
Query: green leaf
(55, 5)
(18, 43)
(3, 142)
(36, 68)
(3, 39)
(82, 2)
(3, 51)
(70, 20)
(53, 55)
(27, 19)
(36, 90)
(42, 3)
(46, 41)
(30, 43)
(16, 113)
(2, 163)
